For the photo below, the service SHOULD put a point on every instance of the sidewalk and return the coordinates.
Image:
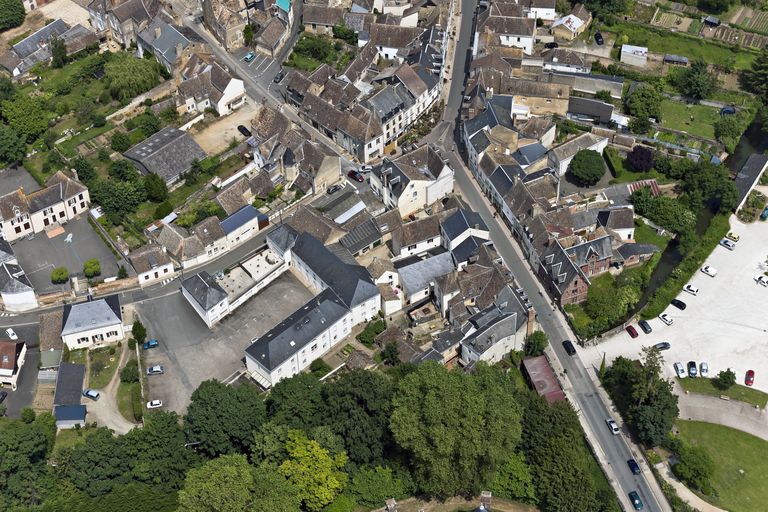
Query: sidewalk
(685, 493)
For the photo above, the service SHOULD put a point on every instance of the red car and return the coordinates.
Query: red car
(356, 176)
(632, 331)
(750, 378)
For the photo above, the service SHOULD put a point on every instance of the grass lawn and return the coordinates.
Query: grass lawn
(103, 366)
(124, 399)
(677, 116)
(76, 356)
(621, 174)
(579, 317)
(733, 452)
(68, 438)
(736, 392)
(644, 234)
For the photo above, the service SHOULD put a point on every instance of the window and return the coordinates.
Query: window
(314, 347)
(146, 277)
(411, 247)
(165, 270)
(26, 225)
(17, 229)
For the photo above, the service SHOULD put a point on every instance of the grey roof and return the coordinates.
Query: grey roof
(503, 178)
(573, 146)
(351, 283)
(13, 279)
(498, 112)
(503, 325)
(167, 153)
(242, 216)
(749, 174)
(617, 218)
(69, 384)
(31, 44)
(93, 314)
(283, 237)
(595, 109)
(480, 141)
(390, 100)
(361, 236)
(418, 276)
(166, 43)
(467, 249)
(584, 218)
(298, 330)
(529, 154)
(628, 250)
(461, 221)
(559, 266)
(601, 247)
(69, 412)
(675, 59)
(204, 289)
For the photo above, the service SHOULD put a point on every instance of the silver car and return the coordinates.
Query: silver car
(704, 369)
(155, 370)
(728, 244)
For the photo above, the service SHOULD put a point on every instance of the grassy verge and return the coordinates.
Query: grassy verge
(736, 392)
(717, 229)
(69, 438)
(740, 464)
(694, 119)
(126, 397)
(75, 356)
(645, 234)
(104, 362)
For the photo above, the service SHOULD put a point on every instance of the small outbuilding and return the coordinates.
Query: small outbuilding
(69, 416)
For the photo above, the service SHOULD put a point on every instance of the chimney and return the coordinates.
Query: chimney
(485, 500)
(529, 326)
(390, 505)
(157, 32)
(179, 49)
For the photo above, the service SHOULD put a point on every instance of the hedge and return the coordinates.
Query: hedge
(717, 229)
(137, 403)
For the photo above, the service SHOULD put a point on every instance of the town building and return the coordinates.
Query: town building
(152, 264)
(320, 19)
(168, 153)
(12, 356)
(92, 323)
(573, 24)
(208, 299)
(749, 175)
(169, 44)
(210, 85)
(16, 290)
(122, 20)
(66, 398)
(226, 19)
(634, 55)
(540, 376)
(560, 157)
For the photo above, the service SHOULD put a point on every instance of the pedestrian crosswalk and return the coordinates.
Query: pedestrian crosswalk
(166, 281)
(5, 313)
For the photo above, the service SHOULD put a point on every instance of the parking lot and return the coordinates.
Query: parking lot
(262, 69)
(725, 325)
(191, 354)
(39, 256)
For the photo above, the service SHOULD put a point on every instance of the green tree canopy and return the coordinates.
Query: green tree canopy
(157, 190)
(12, 146)
(272, 492)
(535, 343)
(26, 115)
(128, 76)
(755, 79)
(695, 467)
(724, 380)
(120, 142)
(643, 103)
(695, 82)
(640, 159)
(372, 486)
(297, 402)
(12, 14)
(587, 167)
(513, 480)
(220, 485)
(123, 170)
(85, 170)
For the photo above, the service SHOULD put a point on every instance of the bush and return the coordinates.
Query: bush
(136, 403)
(60, 275)
(535, 343)
(28, 415)
(131, 344)
(139, 332)
(640, 159)
(120, 141)
(587, 167)
(92, 268)
(319, 367)
(163, 209)
(122, 273)
(724, 380)
(370, 332)
(695, 468)
(130, 372)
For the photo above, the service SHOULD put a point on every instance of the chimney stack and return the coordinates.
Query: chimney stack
(157, 32)
(179, 49)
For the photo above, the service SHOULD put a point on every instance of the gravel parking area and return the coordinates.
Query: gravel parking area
(725, 325)
(191, 354)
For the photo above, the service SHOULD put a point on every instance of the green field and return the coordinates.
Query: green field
(644, 234)
(694, 119)
(736, 392)
(740, 465)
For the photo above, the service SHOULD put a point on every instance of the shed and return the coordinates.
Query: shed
(542, 378)
(711, 21)
(677, 60)
(634, 55)
(69, 384)
(68, 416)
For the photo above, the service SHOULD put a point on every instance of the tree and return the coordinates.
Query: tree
(97, 466)
(728, 128)
(84, 168)
(587, 167)
(462, 414)
(26, 115)
(128, 76)
(148, 123)
(755, 79)
(513, 480)
(122, 273)
(695, 82)
(390, 354)
(28, 415)
(297, 402)
(724, 380)
(695, 467)
(12, 14)
(92, 268)
(248, 34)
(60, 275)
(130, 372)
(640, 159)
(345, 33)
(157, 190)
(639, 125)
(220, 485)
(313, 471)
(12, 147)
(603, 8)
(58, 52)
(268, 446)
(120, 142)
(535, 343)
(714, 6)
(163, 209)
(24, 449)
(644, 102)
(138, 331)
(169, 115)
(372, 486)
(7, 88)
(123, 170)
(272, 492)
(604, 96)
(222, 419)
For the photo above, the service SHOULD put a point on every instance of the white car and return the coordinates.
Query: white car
(11, 334)
(728, 244)
(759, 279)
(615, 430)
(691, 289)
(666, 319)
(709, 270)
(704, 369)
(154, 404)
(679, 370)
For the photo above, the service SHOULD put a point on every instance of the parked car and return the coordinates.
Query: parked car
(245, 131)
(150, 344)
(664, 345)
(645, 326)
(709, 270)
(154, 404)
(155, 370)
(692, 369)
(761, 279)
(634, 467)
(365, 168)
(691, 289)
(3, 396)
(749, 379)
(666, 319)
(632, 332)
(279, 76)
(764, 215)
(333, 189)
(613, 426)
(569, 348)
(249, 57)
(551, 46)
(637, 503)
(599, 39)
(733, 236)
(92, 394)
(679, 370)
(703, 369)
(728, 244)
(678, 304)
(356, 176)
(11, 334)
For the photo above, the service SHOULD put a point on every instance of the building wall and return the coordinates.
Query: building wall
(479, 233)
(415, 249)
(156, 274)
(94, 337)
(524, 42)
(211, 316)
(562, 165)
(390, 307)
(634, 60)
(542, 13)
(243, 233)
(565, 68)
(20, 301)
(419, 296)
(10, 377)
(314, 28)
(493, 354)
(413, 198)
(232, 98)
(441, 187)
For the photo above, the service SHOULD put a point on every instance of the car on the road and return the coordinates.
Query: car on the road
(365, 168)
(245, 131)
(3, 396)
(11, 334)
(92, 394)
(704, 369)
(666, 319)
(664, 345)
(356, 176)
(733, 236)
(728, 244)
(645, 326)
(692, 369)
(691, 289)
(764, 215)
(569, 348)
(279, 76)
(761, 279)
(678, 304)
(634, 467)
(632, 332)
(333, 189)
(679, 370)
(599, 39)
(150, 344)
(709, 270)
(749, 379)
(637, 503)
(551, 46)
(155, 370)
(249, 57)
(154, 404)
(613, 426)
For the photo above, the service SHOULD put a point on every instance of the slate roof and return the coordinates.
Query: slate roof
(596, 109)
(461, 221)
(320, 15)
(308, 220)
(530, 153)
(573, 146)
(93, 314)
(580, 253)
(617, 218)
(59, 188)
(560, 267)
(468, 248)
(364, 59)
(69, 384)
(628, 250)
(361, 236)
(13, 279)
(165, 44)
(148, 257)
(34, 42)
(69, 412)
(417, 276)
(488, 335)
(204, 289)
(179, 242)
(168, 153)
(749, 175)
(208, 230)
(242, 216)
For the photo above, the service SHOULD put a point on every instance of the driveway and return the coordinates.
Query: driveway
(725, 325)
(216, 136)
(104, 411)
